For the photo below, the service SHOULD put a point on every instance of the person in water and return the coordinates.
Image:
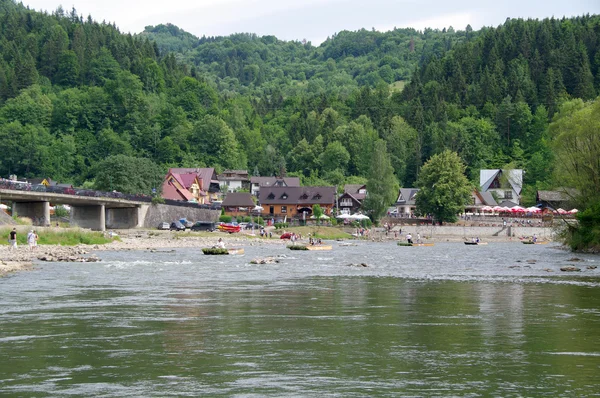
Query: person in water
(220, 244)
(409, 238)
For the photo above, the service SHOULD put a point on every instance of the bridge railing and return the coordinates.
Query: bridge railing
(90, 193)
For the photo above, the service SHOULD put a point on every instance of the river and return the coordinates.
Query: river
(448, 320)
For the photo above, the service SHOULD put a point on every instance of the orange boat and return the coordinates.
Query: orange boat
(229, 228)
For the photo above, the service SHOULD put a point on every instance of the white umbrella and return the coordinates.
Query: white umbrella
(574, 211)
(343, 216)
(323, 217)
(258, 208)
(359, 217)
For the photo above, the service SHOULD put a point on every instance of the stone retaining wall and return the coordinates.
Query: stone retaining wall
(156, 214)
(474, 231)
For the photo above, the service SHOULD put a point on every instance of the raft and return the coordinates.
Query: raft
(415, 244)
(529, 242)
(310, 247)
(220, 251)
(476, 243)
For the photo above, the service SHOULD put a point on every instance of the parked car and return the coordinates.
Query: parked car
(243, 225)
(203, 226)
(177, 226)
(250, 225)
(186, 223)
(163, 226)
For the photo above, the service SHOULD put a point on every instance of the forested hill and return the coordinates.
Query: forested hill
(74, 93)
(250, 63)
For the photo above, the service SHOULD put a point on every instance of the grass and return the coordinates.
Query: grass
(68, 237)
(320, 232)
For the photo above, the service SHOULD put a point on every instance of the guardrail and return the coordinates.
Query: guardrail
(89, 193)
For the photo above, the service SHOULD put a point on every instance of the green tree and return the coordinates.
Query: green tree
(382, 185)
(128, 174)
(443, 187)
(317, 212)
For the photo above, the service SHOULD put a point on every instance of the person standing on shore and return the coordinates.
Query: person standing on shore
(12, 238)
(31, 239)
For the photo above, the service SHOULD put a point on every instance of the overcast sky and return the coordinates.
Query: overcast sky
(313, 20)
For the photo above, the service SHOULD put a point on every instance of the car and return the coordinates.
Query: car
(243, 225)
(203, 226)
(177, 226)
(186, 223)
(163, 226)
(254, 225)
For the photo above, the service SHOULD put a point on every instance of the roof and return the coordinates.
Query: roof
(553, 196)
(205, 174)
(353, 189)
(507, 203)
(407, 196)
(234, 175)
(487, 198)
(513, 176)
(238, 199)
(297, 195)
(275, 181)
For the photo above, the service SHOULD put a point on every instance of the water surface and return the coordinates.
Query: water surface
(448, 320)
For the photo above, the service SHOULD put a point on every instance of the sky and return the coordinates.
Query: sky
(313, 20)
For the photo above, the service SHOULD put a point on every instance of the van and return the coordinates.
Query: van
(203, 226)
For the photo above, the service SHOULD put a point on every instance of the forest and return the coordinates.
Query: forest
(74, 91)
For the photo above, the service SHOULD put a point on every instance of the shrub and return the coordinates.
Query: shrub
(158, 200)
(281, 225)
(225, 219)
(60, 211)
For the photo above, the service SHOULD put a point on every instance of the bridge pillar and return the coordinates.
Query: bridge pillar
(92, 217)
(39, 212)
(122, 217)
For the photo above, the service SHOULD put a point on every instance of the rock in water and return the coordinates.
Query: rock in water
(569, 268)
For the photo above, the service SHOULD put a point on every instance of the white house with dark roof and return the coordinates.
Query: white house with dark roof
(406, 200)
(505, 184)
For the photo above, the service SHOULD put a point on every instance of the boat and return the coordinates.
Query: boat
(286, 235)
(476, 243)
(310, 247)
(230, 228)
(319, 247)
(215, 251)
(530, 242)
(414, 244)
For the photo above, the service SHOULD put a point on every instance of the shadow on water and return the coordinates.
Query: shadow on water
(418, 321)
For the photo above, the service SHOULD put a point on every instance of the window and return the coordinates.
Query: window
(508, 195)
(317, 197)
(284, 209)
(284, 196)
(271, 196)
(304, 197)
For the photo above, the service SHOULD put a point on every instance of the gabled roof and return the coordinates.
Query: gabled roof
(352, 197)
(238, 199)
(407, 196)
(275, 181)
(297, 195)
(353, 189)
(507, 203)
(513, 176)
(486, 198)
(234, 175)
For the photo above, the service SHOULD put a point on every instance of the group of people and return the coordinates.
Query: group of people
(409, 238)
(313, 242)
(32, 238)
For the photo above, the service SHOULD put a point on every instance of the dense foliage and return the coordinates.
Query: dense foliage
(74, 92)
(443, 187)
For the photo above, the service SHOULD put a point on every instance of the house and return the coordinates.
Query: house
(296, 202)
(406, 201)
(233, 180)
(480, 199)
(258, 182)
(238, 204)
(191, 184)
(560, 198)
(505, 185)
(352, 198)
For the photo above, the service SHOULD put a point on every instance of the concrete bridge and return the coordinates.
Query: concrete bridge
(97, 213)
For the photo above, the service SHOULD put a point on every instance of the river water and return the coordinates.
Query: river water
(448, 320)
